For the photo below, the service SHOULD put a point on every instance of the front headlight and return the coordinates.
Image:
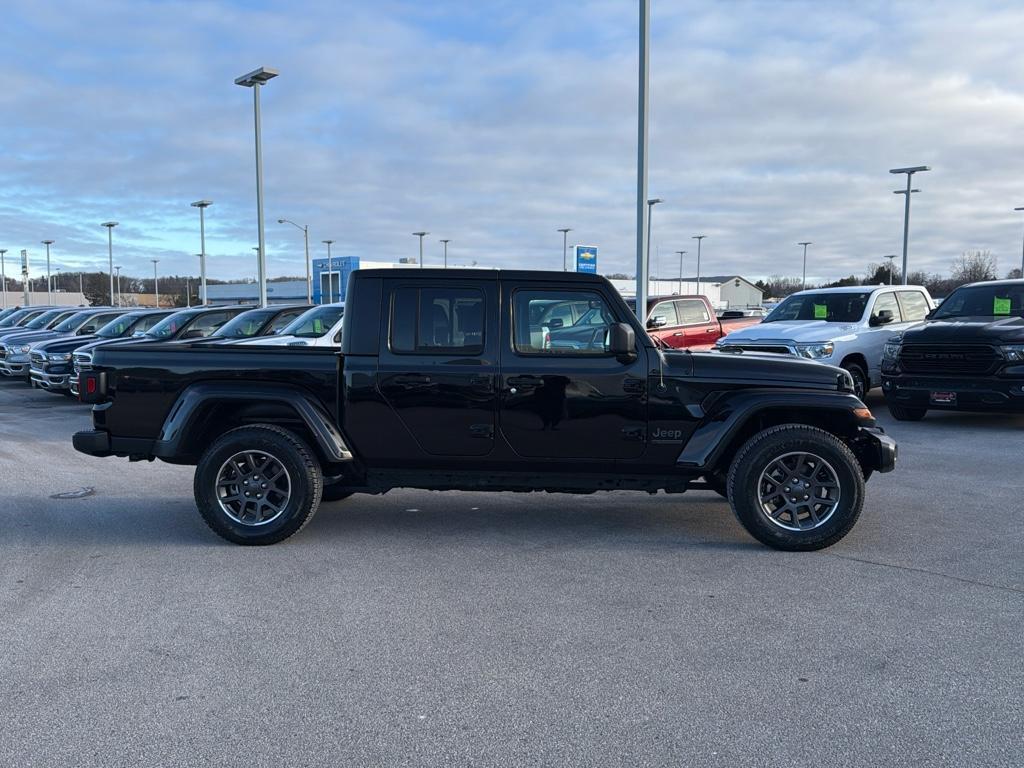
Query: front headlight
(817, 350)
(23, 349)
(59, 358)
(1014, 352)
(890, 352)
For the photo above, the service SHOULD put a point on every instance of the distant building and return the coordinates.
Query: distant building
(735, 291)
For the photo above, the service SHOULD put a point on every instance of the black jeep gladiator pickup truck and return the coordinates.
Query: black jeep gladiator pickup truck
(442, 383)
(968, 355)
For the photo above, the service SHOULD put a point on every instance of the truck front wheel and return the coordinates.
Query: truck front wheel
(796, 488)
(258, 485)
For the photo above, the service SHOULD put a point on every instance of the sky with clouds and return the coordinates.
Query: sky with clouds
(495, 123)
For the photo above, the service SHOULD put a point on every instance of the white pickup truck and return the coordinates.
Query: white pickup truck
(847, 327)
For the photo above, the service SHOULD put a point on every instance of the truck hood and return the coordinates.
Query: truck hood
(17, 339)
(62, 344)
(984, 330)
(755, 369)
(796, 331)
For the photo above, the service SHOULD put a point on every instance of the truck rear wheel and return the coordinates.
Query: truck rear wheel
(796, 488)
(257, 485)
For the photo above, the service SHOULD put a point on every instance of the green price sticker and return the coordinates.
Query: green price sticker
(821, 312)
(1000, 306)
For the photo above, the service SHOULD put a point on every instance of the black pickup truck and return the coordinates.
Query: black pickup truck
(968, 355)
(441, 384)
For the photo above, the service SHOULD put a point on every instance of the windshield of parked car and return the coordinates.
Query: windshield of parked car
(315, 323)
(841, 307)
(244, 325)
(72, 323)
(983, 301)
(119, 326)
(170, 325)
(12, 317)
(44, 319)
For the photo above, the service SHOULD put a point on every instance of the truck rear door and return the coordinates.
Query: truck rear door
(438, 365)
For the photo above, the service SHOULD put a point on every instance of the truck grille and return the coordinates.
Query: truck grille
(948, 358)
(38, 361)
(3, 351)
(83, 361)
(777, 349)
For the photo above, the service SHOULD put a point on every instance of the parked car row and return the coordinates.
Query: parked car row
(50, 347)
(967, 354)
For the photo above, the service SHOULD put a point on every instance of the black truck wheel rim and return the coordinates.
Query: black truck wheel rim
(799, 491)
(253, 488)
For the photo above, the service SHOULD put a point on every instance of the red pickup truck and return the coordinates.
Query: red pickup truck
(688, 322)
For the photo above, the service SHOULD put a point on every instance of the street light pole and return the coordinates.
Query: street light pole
(681, 254)
(49, 287)
(643, 90)
(1021, 252)
(202, 205)
(117, 269)
(330, 274)
(565, 246)
(309, 272)
(698, 238)
(421, 235)
(110, 253)
(156, 284)
(650, 207)
(891, 257)
(803, 284)
(3, 275)
(445, 252)
(906, 208)
(255, 80)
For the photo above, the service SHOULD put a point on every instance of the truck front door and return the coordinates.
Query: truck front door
(563, 396)
(438, 364)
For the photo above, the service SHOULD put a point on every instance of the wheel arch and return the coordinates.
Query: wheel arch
(862, 361)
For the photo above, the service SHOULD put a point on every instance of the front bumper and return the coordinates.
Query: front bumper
(981, 393)
(875, 450)
(14, 368)
(51, 381)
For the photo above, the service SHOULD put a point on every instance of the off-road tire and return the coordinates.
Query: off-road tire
(765, 447)
(903, 413)
(306, 483)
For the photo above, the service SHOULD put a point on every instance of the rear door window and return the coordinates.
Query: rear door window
(433, 321)
(913, 304)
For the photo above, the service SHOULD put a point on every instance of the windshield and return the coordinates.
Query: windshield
(842, 307)
(12, 317)
(244, 325)
(314, 323)
(44, 319)
(169, 326)
(983, 301)
(73, 322)
(118, 326)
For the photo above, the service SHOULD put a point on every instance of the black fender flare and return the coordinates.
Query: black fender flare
(183, 414)
(730, 411)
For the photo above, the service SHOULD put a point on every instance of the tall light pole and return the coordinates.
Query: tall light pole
(330, 274)
(891, 257)
(255, 80)
(803, 284)
(1021, 253)
(421, 235)
(643, 90)
(156, 283)
(56, 280)
(445, 252)
(565, 247)
(698, 238)
(110, 253)
(650, 207)
(81, 284)
(906, 208)
(3, 275)
(117, 269)
(202, 205)
(681, 254)
(309, 273)
(49, 298)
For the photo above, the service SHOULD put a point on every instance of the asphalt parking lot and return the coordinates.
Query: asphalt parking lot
(422, 628)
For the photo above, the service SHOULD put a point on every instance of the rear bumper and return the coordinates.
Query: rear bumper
(983, 393)
(97, 442)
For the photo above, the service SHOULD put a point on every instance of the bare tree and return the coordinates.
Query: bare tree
(973, 267)
(1013, 274)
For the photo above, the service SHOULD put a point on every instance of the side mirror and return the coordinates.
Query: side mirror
(884, 317)
(658, 321)
(622, 341)
(931, 312)
(555, 323)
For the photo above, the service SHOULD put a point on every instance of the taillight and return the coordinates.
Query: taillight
(92, 386)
